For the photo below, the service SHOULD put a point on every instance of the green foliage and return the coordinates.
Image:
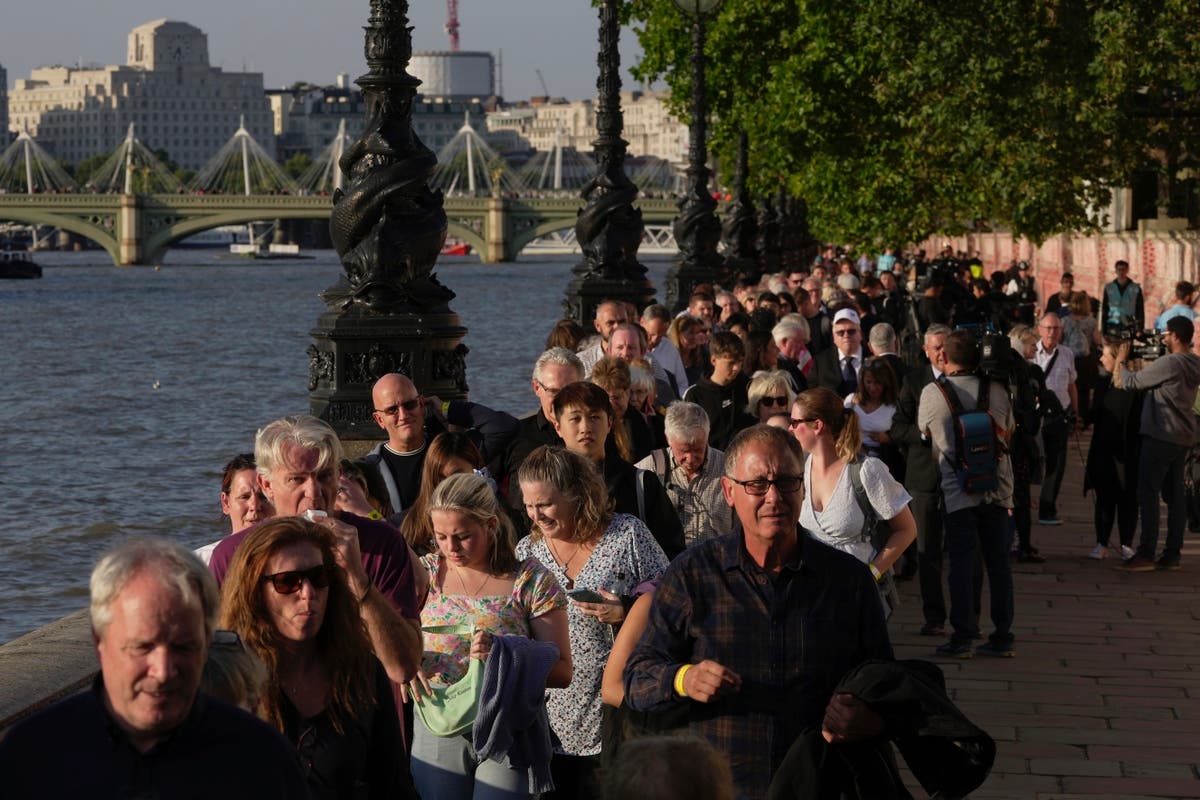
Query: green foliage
(297, 164)
(898, 119)
(82, 172)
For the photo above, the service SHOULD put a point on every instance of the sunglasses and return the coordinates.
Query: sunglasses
(289, 582)
(393, 410)
(778, 400)
(795, 423)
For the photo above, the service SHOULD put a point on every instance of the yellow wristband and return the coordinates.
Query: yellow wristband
(679, 690)
(445, 408)
(875, 571)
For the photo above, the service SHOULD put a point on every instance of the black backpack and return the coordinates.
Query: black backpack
(977, 446)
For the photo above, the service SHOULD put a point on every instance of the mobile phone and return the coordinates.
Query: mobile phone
(585, 596)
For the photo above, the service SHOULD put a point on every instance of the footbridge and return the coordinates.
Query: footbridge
(138, 229)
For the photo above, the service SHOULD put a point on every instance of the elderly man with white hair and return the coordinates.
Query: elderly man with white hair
(791, 337)
(691, 471)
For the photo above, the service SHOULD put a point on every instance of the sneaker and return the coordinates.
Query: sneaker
(1127, 552)
(953, 649)
(1030, 556)
(990, 648)
(1137, 564)
(1167, 562)
(933, 629)
(1098, 553)
(1049, 521)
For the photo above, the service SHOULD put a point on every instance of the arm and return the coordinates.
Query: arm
(1149, 376)
(903, 533)
(552, 627)
(612, 687)
(497, 427)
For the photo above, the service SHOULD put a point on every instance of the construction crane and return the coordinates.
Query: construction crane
(452, 24)
(545, 91)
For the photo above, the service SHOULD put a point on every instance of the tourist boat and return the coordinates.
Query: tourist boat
(452, 248)
(16, 265)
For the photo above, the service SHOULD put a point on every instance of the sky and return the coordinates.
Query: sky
(311, 40)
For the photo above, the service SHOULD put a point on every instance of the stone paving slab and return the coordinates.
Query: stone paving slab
(1102, 700)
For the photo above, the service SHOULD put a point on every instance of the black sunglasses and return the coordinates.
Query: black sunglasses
(778, 400)
(796, 421)
(289, 582)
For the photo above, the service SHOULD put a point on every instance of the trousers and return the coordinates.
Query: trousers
(1160, 471)
(987, 525)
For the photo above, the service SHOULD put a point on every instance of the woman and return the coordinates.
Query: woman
(475, 576)
(685, 333)
(875, 404)
(630, 429)
(1112, 459)
(449, 453)
(242, 499)
(828, 433)
(1081, 333)
(291, 604)
(643, 396)
(770, 392)
(583, 419)
(354, 495)
(762, 354)
(586, 547)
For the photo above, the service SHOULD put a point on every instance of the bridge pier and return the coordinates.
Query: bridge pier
(129, 230)
(495, 250)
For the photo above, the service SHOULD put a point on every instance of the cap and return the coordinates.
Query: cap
(847, 315)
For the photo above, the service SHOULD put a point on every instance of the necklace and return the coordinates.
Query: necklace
(478, 588)
(569, 582)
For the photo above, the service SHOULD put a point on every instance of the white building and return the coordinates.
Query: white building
(4, 135)
(178, 102)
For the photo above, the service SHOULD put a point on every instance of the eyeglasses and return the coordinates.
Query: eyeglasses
(393, 410)
(847, 332)
(784, 484)
(795, 423)
(777, 400)
(549, 392)
(289, 582)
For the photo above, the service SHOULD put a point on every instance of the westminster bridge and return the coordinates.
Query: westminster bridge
(138, 229)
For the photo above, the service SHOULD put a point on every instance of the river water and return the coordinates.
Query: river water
(124, 390)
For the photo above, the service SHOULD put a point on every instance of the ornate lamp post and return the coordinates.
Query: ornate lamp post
(741, 228)
(696, 228)
(387, 312)
(609, 228)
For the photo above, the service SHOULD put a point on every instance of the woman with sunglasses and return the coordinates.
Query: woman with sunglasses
(829, 435)
(290, 603)
(770, 392)
(476, 577)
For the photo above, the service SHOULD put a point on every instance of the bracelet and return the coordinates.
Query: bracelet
(679, 690)
(445, 408)
(375, 515)
(875, 571)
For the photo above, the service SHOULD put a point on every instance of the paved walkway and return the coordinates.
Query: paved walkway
(1103, 697)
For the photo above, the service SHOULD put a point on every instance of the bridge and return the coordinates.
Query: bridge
(138, 229)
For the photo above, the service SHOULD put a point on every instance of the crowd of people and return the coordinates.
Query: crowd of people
(674, 573)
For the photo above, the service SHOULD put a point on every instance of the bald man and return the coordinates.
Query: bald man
(609, 316)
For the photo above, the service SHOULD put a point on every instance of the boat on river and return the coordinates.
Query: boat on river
(16, 265)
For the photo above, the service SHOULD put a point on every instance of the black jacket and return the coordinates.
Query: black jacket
(921, 473)
(621, 477)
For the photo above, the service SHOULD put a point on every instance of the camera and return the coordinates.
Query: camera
(997, 359)
(1143, 345)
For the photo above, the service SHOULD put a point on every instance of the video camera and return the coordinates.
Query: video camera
(997, 360)
(1143, 345)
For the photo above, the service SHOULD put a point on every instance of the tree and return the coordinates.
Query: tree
(297, 164)
(82, 172)
(898, 119)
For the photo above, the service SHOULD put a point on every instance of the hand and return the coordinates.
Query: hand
(433, 404)
(1122, 351)
(848, 719)
(414, 688)
(348, 556)
(709, 681)
(481, 645)
(611, 610)
(882, 437)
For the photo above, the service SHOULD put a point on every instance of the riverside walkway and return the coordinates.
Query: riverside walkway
(1103, 697)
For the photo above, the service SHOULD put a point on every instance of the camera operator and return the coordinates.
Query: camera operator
(1058, 363)
(971, 517)
(1168, 428)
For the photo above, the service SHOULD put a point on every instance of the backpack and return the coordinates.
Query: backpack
(977, 447)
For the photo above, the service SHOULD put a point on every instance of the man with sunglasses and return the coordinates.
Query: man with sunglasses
(751, 632)
(143, 729)
(838, 367)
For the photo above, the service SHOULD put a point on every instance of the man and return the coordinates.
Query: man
(884, 343)
(628, 343)
(791, 337)
(1059, 303)
(795, 280)
(1185, 296)
(726, 305)
(723, 394)
(393, 468)
(1058, 363)
(701, 306)
(922, 479)
(1168, 429)
(750, 633)
(609, 315)
(1122, 306)
(553, 370)
(971, 516)
(143, 729)
(691, 472)
(298, 460)
(655, 321)
(820, 329)
(838, 368)
(1023, 291)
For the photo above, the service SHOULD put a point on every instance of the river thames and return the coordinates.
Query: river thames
(126, 389)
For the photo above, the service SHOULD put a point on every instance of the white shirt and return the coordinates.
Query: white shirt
(1063, 374)
(666, 355)
(839, 524)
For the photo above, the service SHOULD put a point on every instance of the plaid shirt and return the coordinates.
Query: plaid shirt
(699, 502)
(791, 637)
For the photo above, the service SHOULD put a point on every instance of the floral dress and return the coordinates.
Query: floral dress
(626, 555)
(535, 592)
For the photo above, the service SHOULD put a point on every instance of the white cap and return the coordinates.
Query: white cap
(847, 314)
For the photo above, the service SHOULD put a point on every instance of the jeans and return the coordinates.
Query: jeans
(986, 524)
(1160, 470)
(1054, 437)
(927, 510)
(447, 768)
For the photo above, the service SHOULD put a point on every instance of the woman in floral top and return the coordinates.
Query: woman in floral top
(475, 578)
(586, 547)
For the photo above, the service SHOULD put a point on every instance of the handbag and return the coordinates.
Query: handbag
(876, 531)
(450, 710)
